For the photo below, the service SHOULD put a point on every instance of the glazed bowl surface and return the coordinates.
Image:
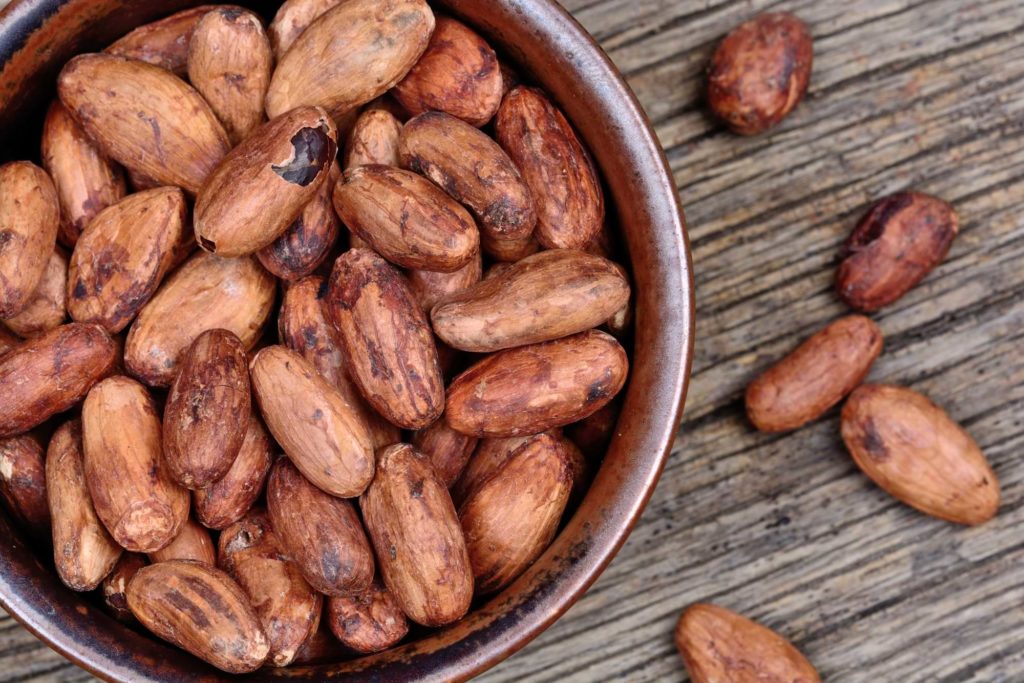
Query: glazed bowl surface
(553, 51)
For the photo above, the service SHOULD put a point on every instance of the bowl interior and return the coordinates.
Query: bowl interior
(38, 36)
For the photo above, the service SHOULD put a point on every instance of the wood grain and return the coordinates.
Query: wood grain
(784, 528)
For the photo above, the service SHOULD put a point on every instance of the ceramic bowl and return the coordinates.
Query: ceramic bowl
(544, 42)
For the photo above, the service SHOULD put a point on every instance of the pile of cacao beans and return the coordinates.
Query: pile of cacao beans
(393, 445)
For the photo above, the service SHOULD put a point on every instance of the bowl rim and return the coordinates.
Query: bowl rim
(595, 97)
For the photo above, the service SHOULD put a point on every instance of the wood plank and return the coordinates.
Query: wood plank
(905, 93)
(23, 658)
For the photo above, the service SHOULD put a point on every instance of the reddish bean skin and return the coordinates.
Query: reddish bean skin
(370, 621)
(321, 533)
(760, 71)
(458, 74)
(719, 646)
(918, 454)
(531, 389)
(421, 551)
(448, 450)
(390, 349)
(207, 410)
(815, 376)
(894, 246)
(226, 500)
(76, 354)
(562, 178)
(23, 484)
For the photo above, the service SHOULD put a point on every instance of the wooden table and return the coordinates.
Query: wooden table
(905, 94)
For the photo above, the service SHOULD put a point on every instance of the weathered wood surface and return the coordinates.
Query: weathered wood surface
(926, 95)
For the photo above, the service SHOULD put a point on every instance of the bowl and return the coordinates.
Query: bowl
(38, 36)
